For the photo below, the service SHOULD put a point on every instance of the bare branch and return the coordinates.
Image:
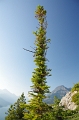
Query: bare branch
(32, 48)
(29, 50)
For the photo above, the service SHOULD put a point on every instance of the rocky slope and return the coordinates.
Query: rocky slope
(66, 101)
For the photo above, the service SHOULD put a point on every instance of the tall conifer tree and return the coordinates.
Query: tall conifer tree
(37, 109)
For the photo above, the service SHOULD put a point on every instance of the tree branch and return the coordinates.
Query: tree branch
(28, 50)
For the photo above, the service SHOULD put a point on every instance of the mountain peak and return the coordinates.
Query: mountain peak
(61, 87)
(59, 92)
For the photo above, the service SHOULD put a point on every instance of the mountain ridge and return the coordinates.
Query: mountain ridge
(59, 92)
(4, 102)
(9, 98)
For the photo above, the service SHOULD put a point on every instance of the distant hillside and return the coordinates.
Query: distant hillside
(59, 91)
(8, 96)
(4, 103)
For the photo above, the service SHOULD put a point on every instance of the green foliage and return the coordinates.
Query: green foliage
(75, 116)
(57, 112)
(75, 97)
(37, 109)
(76, 87)
(16, 112)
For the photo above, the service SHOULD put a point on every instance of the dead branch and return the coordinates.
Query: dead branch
(29, 50)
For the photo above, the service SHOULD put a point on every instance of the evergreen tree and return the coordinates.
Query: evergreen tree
(58, 112)
(15, 111)
(37, 109)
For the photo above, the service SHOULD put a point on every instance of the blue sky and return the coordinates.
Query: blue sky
(17, 23)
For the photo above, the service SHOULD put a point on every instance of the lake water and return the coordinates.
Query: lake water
(2, 112)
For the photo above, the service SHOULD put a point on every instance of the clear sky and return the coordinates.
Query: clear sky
(17, 23)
